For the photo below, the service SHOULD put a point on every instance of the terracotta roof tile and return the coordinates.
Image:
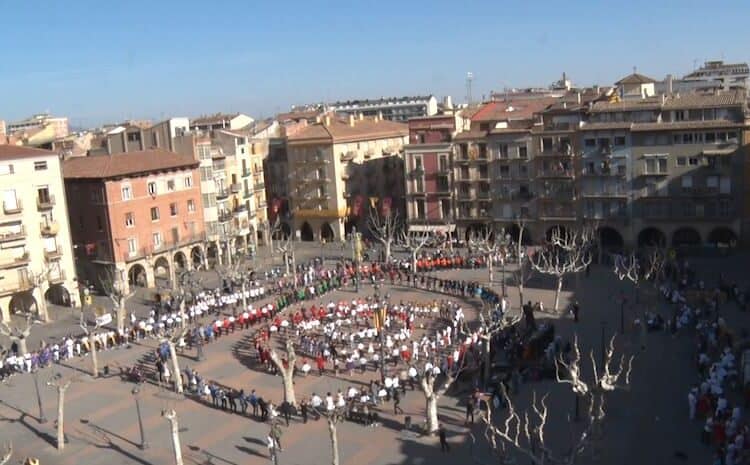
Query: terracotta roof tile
(512, 109)
(124, 164)
(635, 78)
(11, 152)
(341, 131)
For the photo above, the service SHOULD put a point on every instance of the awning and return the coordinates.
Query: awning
(718, 152)
(441, 228)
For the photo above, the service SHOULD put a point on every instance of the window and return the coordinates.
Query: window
(40, 165)
(188, 181)
(619, 141)
(191, 206)
(207, 173)
(725, 209)
(687, 138)
(522, 152)
(681, 161)
(127, 193)
(732, 136)
(418, 163)
(170, 185)
(662, 165)
(679, 115)
(693, 161)
(129, 220)
(419, 185)
(546, 143)
(445, 208)
(152, 188)
(154, 213)
(134, 137)
(725, 185)
(504, 171)
(502, 150)
(156, 237)
(712, 182)
(710, 137)
(209, 200)
(589, 142)
(132, 245)
(173, 209)
(420, 209)
(687, 182)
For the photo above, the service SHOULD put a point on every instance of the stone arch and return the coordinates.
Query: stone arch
(686, 237)
(23, 303)
(610, 238)
(196, 256)
(306, 232)
(349, 226)
(652, 237)
(212, 253)
(137, 275)
(722, 236)
(553, 229)
(180, 261)
(161, 267)
(57, 294)
(326, 232)
(514, 230)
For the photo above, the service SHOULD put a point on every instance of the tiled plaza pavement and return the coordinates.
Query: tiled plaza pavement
(646, 424)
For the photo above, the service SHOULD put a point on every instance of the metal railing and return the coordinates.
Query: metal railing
(11, 209)
(19, 233)
(45, 203)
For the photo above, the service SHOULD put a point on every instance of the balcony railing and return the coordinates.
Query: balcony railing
(234, 188)
(49, 228)
(246, 172)
(10, 208)
(12, 262)
(166, 245)
(556, 173)
(247, 194)
(515, 195)
(56, 277)
(50, 255)
(259, 186)
(45, 203)
(22, 283)
(17, 234)
(222, 194)
(225, 217)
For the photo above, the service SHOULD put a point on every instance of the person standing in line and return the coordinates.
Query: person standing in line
(397, 402)
(444, 446)
(470, 410)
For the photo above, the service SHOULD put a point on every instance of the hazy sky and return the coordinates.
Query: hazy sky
(107, 61)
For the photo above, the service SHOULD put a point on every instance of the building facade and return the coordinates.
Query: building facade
(135, 217)
(36, 257)
(339, 168)
(392, 109)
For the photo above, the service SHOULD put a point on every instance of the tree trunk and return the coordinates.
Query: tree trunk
(94, 360)
(22, 349)
(431, 403)
(286, 263)
(244, 297)
(42, 306)
(520, 293)
(175, 368)
(334, 442)
(489, 267)
(557, 292)
(287, 377)
(387, 247)
(487, 359)
(60, 418)
(172, 417)
(414, 262)
(120, 315)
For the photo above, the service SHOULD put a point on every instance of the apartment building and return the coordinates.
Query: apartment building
(428, 159)
(389, 108)
(339, 168)
(231, 121)
(135, 216)
(58, 125)
(36, 257)
(140, 136)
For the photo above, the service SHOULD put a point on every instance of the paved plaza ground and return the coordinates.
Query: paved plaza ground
(646, 425)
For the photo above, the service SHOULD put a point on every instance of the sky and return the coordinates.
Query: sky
(98, 62)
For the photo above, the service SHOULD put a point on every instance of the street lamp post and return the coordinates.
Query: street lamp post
(143, 445)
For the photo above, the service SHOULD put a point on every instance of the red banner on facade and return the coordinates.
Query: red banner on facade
(385, 206)
(276, 205)
(357, 207)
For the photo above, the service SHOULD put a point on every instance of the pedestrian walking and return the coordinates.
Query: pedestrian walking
(397, 402)
(470, 410)
(444, 447)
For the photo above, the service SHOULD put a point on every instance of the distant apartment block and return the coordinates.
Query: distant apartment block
(392, 109)
(221, 121)
(36, 257)
(135, 216)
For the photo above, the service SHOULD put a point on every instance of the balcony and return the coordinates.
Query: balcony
(484, 195)
(247, 194)
(15, 235)
(49, 228)
(222, 194)
(234, 188)
(56, 276)
(14, 262)
(442, 188)
(225, 217)
(465, 196)
(45, 203)
(51, 255)
(22, 283)
(246, 172)
(10, 208)
(556, 173)
(522, 196)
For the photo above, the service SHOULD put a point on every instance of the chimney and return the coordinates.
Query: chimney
(351, 119)
(318, 119)
(578, 97)
(361, 116)
(379, 117)
(670, 84)
(327, 120)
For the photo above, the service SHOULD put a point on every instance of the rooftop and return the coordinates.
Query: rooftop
(213, 119)
(340, 131)
(635, 78)
(676, 101)
(383, 101)
(512, 109)
(13, 152)
(124, 164)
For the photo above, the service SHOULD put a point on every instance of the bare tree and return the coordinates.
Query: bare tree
(333, 418)
(236, 272)
(90, 333)
(637, 269)
(171, 416)
(524, 271)
(485, 243)
(385, 228)
(285, 246)
(434, 384)
(61, 385)
(414, 243)
(566, 252)
(18, 335)
(115, 290)
(287, 372)
(39, 280)
(525, 431)
(7, 454)
(172, 342)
